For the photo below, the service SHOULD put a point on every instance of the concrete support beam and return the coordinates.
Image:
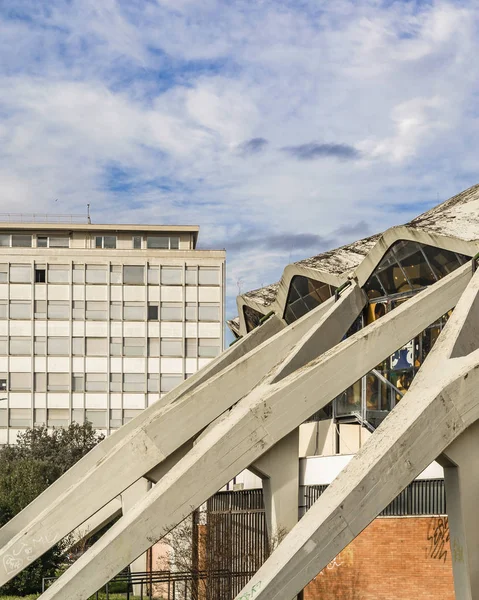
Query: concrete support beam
(78, 471)
(110, 511)
(252, 427)
(279, 470)
(461, 478)
(438, 409)
(167, 430)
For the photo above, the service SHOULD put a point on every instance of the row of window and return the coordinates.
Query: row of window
(61, 417)
(98, 346)
(119, 311)
(119, 274)
(90, 382)
(138, 242)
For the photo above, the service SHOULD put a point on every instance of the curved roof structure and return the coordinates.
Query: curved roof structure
(452, 225)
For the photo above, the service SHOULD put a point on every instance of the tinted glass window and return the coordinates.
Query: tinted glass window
(304, 295)
(252, 317)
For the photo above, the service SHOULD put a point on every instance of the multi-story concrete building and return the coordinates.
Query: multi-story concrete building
(98, 321)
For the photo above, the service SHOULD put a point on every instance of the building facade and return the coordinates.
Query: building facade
(97, 322)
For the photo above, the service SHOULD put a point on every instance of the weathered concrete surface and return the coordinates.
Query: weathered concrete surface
(105, 515)
(440, 406)
(252, 427)
(51, 494)
(165, 434)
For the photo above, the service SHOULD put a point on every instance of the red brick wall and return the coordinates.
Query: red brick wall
(405, 558)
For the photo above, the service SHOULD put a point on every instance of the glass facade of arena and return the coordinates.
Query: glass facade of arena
(304, 295)
(406, 269)
(252, 317)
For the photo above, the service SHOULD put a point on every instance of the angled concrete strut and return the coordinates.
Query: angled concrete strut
(161, 436)
(441, 406)
(263, 417)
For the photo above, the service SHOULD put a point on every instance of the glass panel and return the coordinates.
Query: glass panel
(171, 311)
(137, 242)
(209, 276)
(21, 240)
(208, 312)
(252, 317)
(305, 294)
(133, 275)
(349, 402)
(134, 346)
(158, 242)
(171, 347)
(20, 273)
(42, 241)
(59, 242)
(171, 275)
(109, 241)
(208, 348)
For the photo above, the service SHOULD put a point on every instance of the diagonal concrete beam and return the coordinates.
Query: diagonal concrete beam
(251, 428)
(164, 435)
(45, 500)
(440, 406)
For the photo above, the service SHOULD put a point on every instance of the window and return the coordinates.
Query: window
(191, 311)
(96, 382)
(137, 242)
(78, 346)
(59, 242)
(3, 417)
(21, 346)
(115, 311)
(153, 275)
(20, 417)
(40, 309)
(134, 382)
(171, 275)
(20, 273)
(134, 311)
(115, 418)
(130, 414)
(116, 346)
(58, 382)
(208, 348)
(78, 416)
(115, 382)
(58, 309)
(304, 294)
(153, 347)
(96, 417)
(191, 347)
(40, 382)
(171, 347)
(3, 346)
(3, 382)
(78, 310)
(96, 311)
(4, 239)
(58, 274)
(115, 274)
(78, 382)
(78, 273)
(208, 311)
(105, 241)
(133, 346)
(42, 241)
(40, 275)
(171, 311)
(19, 382)
(20, 309)
(3, 309)
(3, 272)
(158, 242)
(133, 274)
(58, 346)
(209, 276)
(20, 240)
(153, 311)
(191, 276)
(96, 274)
(153, 382)
(39, 416)
(58, 417)
(168, 382)
(40, 345)
(96, 346)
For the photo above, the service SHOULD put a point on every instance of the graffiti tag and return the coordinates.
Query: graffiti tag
(438, 537)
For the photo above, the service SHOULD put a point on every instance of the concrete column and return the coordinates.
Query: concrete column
(279, 470)
(461, 478)
(129, 498)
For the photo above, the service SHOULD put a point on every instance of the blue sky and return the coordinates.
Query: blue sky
(283, 128)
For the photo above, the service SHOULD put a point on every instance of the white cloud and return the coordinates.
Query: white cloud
(168, 91)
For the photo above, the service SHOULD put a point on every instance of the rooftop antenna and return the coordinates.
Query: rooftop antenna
(88, 213)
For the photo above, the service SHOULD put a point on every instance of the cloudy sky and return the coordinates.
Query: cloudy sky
(282, 127)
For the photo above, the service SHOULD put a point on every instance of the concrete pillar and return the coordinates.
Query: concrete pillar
(129, 498)
(461, 478)
(279, 470)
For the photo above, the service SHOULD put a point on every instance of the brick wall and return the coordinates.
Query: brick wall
(403, 558)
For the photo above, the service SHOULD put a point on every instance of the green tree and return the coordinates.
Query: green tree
(26, 469)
